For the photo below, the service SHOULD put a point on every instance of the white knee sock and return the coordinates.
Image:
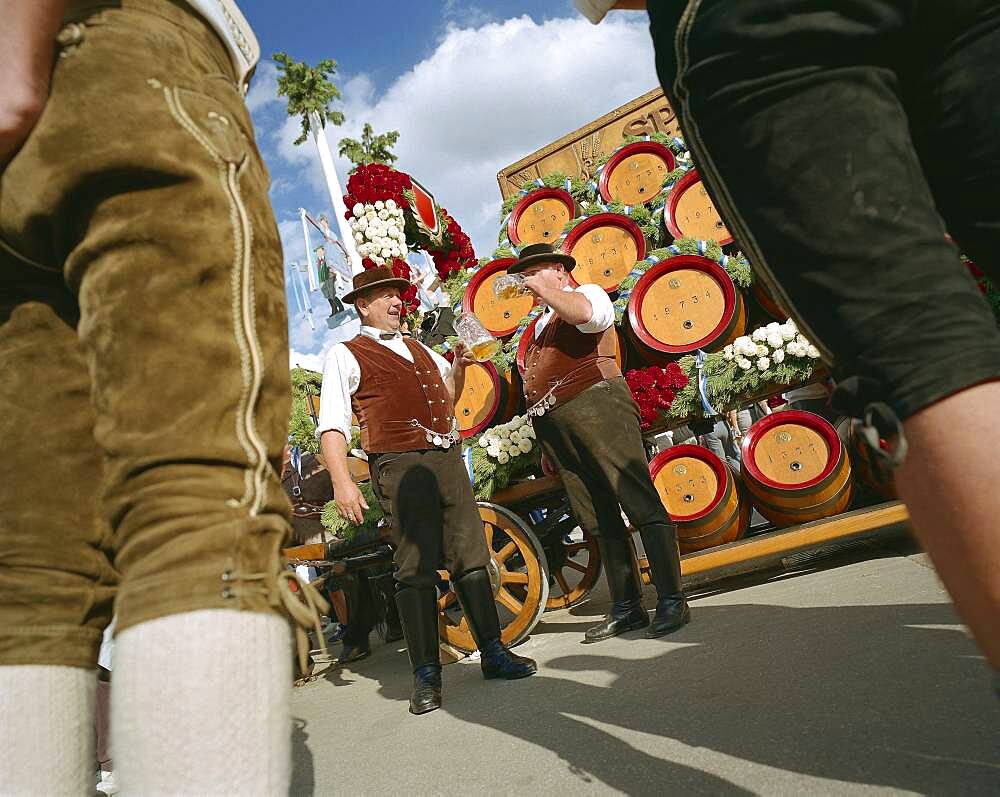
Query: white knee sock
(200, 705)
(47, 730)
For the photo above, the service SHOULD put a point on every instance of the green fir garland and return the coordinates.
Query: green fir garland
(302, 430)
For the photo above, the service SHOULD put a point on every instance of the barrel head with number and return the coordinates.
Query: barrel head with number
(634, 174)
(796, 468)
(501, 317)
(683, 304)
(701, 496)
(540, 217)
(689, 212)
(483, 397)
(605, 246)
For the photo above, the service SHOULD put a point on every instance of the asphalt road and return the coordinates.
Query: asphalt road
(856, 678)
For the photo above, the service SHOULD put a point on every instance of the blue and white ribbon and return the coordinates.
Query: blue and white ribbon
(467, 457)
(296, 459)
(699, 363)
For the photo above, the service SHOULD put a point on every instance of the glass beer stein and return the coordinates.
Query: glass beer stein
(476, 338)
(509, 286)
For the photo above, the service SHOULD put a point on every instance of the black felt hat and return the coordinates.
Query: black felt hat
(533, 254)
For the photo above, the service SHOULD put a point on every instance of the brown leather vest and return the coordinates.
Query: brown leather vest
(398, 401)
(563, 361)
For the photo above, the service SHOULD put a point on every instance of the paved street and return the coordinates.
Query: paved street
(852, 679)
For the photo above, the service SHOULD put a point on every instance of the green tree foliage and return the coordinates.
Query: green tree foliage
(302, 430)
(372, 148)
(309, 91)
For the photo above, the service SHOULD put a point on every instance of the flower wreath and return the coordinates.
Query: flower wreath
(380, 212)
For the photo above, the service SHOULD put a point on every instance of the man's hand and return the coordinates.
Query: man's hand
(27, 40)
(351, 504)
(463, 356)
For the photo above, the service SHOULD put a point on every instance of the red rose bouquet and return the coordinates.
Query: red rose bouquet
(654, 390)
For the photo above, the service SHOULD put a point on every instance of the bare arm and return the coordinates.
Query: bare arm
(455, 381)
(351, 504)
(27, 40)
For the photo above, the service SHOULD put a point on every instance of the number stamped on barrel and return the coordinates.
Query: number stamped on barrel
(542, 221)
(683, 307)
(637, 178)
(604, 255)
(791, 454)
(695, 215)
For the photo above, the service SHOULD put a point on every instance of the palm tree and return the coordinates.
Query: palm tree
(310, 92)
(371, 148)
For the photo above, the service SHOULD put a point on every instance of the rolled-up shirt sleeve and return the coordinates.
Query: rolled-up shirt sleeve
(341, 377)
(602, 310)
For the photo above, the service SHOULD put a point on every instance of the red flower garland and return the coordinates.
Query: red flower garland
(654, 390)
(375, 181)
(460, 255)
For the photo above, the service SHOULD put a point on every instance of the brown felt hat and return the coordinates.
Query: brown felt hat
(374, 278)
(533, 254)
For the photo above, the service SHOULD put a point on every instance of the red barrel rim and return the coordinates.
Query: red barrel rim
(491, 369)
(675, 264)
(598, 219)
(534, 196)
(690, 178)
(627, 151)
(477, 279)
(522, 345)
(722, 474)
(815, 422)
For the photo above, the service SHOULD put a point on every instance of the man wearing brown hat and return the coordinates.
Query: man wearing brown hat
(403, 395)
(588, 425)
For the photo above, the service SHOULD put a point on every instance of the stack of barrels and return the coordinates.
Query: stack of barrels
(794, 469)
(681, 303)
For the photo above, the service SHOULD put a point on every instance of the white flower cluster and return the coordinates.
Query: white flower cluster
(378, 230)
(770, 344)
(508, 440)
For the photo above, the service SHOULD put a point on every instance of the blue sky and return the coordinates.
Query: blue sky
(449, 76)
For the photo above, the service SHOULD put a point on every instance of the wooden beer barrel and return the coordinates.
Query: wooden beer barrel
(702, 496)
(689, 211)
(862, 460)
(529, 333)
(540, 217)
(605, 246)
(485, 397)
(634, 174)
(796, 468)
(500, 316)
(683, 304)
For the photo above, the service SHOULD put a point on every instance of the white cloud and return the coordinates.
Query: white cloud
(264, 89)
(487, 96)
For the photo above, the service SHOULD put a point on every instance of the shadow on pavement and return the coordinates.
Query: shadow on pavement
(889, 695)
(303, 773)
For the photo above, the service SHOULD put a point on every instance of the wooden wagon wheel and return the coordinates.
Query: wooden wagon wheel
(572, 555)
(519, 577)
(575, 571)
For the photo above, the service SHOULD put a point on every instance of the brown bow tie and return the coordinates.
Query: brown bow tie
(388, 335)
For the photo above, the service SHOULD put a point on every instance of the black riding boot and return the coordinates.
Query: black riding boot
(660, 542)
(418, 615)
(475, 593)
(627, 613)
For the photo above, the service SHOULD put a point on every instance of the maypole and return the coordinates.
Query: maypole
(336, 194)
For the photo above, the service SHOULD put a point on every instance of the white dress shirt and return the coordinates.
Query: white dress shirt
(602, 310)
(342, 375)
